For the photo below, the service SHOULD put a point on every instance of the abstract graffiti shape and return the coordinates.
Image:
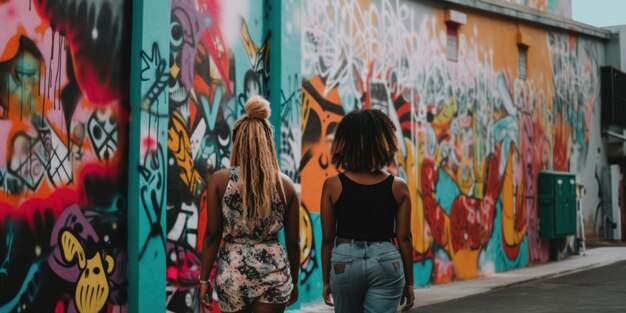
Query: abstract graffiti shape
(308, 254)
(470, 222)
(20, 78)
(183, 264)
(153, 69)
(320, 116)
(103, 132)
(186, 26)
(179, 147)
(290, 132)
(28, 161)
(71, 219)
(255, 80)
(513, 212)
(98, 37)
(152, 194)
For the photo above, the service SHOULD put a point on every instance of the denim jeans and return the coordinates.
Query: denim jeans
(366, 277)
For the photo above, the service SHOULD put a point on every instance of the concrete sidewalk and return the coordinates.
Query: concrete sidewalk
(440, 293)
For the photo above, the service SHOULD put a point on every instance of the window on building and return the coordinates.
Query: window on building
(522, 55)
(452, 43)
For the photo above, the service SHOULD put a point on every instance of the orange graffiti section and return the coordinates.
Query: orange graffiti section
(320, 116)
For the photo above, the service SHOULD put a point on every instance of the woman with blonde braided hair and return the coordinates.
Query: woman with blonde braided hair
(247, 205)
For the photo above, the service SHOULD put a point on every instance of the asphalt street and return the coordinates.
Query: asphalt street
(600, 289)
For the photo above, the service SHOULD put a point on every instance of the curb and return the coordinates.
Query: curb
(526, 280)
(554, 275)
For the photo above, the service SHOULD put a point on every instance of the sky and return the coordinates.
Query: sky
(600, 13)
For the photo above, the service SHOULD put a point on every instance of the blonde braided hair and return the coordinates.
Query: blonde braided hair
(254, 151)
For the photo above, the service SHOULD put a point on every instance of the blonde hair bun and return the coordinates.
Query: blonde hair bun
(258, 107)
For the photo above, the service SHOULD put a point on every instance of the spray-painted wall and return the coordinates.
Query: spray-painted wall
(473, 135)
(558, 7)
(219, 57)
(63, 129)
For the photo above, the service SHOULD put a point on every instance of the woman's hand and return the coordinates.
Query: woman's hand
(294, 295)
(205, 296)
(408, 298)
(327, 294)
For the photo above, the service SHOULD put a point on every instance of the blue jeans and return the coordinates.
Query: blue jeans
(366, 277)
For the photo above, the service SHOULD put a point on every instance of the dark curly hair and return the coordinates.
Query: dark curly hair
(365, 140)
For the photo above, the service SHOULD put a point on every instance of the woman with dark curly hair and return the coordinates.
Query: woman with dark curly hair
(362, 210)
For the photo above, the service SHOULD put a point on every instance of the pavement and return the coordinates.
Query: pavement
(599, 289)
(426, 298)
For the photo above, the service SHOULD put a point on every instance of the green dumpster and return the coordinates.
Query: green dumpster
(557, 204)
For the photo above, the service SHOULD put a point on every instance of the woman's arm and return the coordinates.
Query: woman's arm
(292, 229)
(213, 232)
(329, 228)
(403, 229)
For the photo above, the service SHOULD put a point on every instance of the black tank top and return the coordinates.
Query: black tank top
(366, 212)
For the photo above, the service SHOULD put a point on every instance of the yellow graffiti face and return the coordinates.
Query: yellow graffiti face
(92, 289)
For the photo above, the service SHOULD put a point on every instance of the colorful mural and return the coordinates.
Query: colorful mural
(63, 156)
(473, 135)
(219, 57)
(559, 7)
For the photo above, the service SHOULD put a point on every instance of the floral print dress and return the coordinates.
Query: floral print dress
(252, 263)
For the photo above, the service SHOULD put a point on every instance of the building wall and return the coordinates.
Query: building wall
(473, 135)
(63, 129)
(561, 8)
(219, 57)
(615, 47)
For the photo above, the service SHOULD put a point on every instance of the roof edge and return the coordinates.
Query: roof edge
(533, 16)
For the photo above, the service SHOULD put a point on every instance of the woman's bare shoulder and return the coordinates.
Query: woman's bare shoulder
(219, 177)
(400, 188)
(332, 183)
(288, 184)
(399, 183)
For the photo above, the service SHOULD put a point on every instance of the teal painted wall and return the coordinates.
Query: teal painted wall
(148, 155)
(220, 55)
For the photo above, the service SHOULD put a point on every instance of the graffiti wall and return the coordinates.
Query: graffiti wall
(474, 132)
(219, 57)
(63, 129)
(558, 7)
